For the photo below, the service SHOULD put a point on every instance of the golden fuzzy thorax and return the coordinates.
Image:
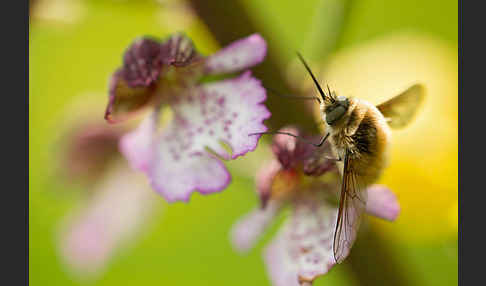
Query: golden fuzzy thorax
(364, 131)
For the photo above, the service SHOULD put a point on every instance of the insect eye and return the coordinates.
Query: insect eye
(335, 114)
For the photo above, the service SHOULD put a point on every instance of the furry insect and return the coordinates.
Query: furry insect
(360, 134)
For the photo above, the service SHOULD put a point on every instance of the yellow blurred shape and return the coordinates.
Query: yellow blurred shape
(423, 167)
(58, 11)
(176, 15)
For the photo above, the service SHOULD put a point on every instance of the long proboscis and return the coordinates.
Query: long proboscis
(292, 96)
(323, 94)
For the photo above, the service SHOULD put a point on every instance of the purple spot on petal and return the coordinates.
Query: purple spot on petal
(221, 101)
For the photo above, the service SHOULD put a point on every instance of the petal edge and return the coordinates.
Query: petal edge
(238, 55)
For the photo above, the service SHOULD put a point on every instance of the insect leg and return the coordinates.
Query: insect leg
(322, 140)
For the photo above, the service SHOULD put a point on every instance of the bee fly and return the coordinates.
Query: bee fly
(359, 134)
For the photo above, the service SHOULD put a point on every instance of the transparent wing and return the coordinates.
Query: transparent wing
(352, 205)
(401, 109)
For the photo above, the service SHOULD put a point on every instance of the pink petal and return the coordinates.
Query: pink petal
(264, 180)
(382, 203)
(176, 177)
(136, 146)
(226, 111)
(90, 236)
(302, 251)
(237, 56)
(284, 147)
(281, 266)
(249, 228)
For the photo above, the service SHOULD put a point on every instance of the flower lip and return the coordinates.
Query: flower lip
(228, 111)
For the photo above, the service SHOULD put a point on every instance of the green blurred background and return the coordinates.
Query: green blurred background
(75, 46)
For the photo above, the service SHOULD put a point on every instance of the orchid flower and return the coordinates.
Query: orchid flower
(303, 178)
(208, 118)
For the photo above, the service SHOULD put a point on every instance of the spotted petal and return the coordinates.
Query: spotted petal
(142, 62)
(250, 227)
(382, 202)
(239, 55)
(226, 111)
(302, 250)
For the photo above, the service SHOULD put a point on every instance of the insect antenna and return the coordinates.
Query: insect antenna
(323, 139)
(323, 95)
(275, 92)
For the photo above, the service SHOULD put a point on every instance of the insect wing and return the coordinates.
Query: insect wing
(401, 109)
(352, 204)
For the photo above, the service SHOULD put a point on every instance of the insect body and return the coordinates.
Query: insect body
(360, 134)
